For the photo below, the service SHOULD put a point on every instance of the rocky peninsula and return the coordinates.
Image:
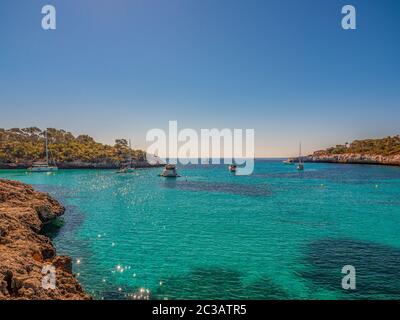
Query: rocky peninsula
(351, 158)
(24, 252)
(384, 151)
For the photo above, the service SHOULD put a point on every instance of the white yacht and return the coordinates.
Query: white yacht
(170, 171)
(44, 166)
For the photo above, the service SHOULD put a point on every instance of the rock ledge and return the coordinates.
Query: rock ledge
(24, 252)
(353, 158)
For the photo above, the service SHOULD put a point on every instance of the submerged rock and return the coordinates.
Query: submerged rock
(24, 252)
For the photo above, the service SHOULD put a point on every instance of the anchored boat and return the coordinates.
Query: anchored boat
(170, 171)
(127, 167)
(289, 161)
(44, 166)
(232, 168)
(300, 165)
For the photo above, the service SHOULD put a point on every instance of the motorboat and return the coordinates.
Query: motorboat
(170, 171)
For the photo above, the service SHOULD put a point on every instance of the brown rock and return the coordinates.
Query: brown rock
(64, 263)
(24, 252)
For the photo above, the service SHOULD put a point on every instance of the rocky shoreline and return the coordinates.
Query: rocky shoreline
(81, 165)
(24, 252)
(351, 158)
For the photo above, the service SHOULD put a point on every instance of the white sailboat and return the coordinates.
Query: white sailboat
(44, 166)
(127, 167)
(300, 165)
(288, 161)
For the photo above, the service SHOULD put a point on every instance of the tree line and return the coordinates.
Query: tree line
(388, 146)
(28, 145)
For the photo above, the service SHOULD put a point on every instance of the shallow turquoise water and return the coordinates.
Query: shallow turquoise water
(277, 234)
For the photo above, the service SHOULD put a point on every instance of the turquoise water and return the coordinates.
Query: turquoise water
(277, 234)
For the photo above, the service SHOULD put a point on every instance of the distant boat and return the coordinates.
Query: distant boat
(170, 171)
(43, 166)
(126, 170)
(232, 168)
(289, 161)
(127, 167)
(300, 165)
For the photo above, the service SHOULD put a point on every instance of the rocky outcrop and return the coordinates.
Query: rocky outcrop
(353, 158)
(24, 252)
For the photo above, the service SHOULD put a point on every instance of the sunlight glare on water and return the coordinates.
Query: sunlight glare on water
(277, 234)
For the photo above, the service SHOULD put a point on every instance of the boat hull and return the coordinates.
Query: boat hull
(126, 171)
(169, 174)
(43, 169)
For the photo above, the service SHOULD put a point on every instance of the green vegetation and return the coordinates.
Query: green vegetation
(388, 146)
(28, 144)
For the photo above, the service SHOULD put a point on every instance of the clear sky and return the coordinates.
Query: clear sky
(285, 68)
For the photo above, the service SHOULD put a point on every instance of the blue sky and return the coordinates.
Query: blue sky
(284, 68)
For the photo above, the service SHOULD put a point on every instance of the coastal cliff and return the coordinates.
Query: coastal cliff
(351, 158)
(24, 251)
(384, 151)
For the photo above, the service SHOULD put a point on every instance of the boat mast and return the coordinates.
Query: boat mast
(130, 153)
(47, 149)
(300, 153)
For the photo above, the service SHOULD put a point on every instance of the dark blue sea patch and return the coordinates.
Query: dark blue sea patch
(230, 188)
(69, 222)
(123, 292)
(377, 267)
(114, 293)
(72, 218)
(62, 230)
(217, 283)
